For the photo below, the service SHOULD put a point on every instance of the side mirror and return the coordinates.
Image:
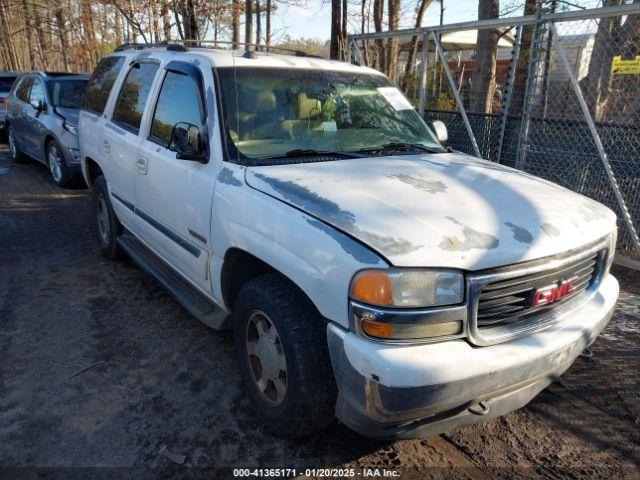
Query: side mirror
(187, 142)
(38, 105)
(440, 130)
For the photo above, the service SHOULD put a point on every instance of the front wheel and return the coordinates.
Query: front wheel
(57, 166)
(107, 225)
(281, 344)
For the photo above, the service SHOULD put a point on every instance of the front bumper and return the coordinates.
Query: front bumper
(423, 390)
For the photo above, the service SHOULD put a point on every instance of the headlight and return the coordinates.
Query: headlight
(72, 129)
(408, 288)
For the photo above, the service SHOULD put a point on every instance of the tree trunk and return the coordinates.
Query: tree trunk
(484, 68)
(267, 40)
(258, 25)
(248, 23)
(336, 33)
(62, 36)
(343, 33)
(392, 55)
(5, 35)
(378, 13)
(413, 50)
(41, 35)
(166, 20)
(522, 65)
(155, 24)
(235, 23)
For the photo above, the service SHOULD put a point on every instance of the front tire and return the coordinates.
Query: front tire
(57, 165)
(108, 227)
(16, 155)
(281, 345)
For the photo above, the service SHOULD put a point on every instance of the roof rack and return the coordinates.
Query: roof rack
(183, 46)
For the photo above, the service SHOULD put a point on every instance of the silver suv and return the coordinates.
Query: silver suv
(42, 122)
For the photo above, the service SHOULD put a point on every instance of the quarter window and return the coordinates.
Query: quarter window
(37, 92)
(179, 101)
(100, 84)
(133, 96)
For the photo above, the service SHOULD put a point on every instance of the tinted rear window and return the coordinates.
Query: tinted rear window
(100, 84)
(133, 96)
(6, 83)
(66, 93)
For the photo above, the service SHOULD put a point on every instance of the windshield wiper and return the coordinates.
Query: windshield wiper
(400, 147)
(307, 152)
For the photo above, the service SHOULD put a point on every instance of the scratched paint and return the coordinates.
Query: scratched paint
(227, 177)
(471, 239)
(424, 184)
(357, 251)
(345, 220)
(520, 234)
(550, 230)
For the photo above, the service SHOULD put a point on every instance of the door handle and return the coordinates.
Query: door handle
(106, 146)
(141, 165)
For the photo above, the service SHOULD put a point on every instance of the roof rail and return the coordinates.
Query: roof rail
(183, 46)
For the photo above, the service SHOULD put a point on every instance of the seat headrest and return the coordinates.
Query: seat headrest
(265, 101)
(308, 108)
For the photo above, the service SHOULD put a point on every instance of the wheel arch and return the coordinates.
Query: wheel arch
(239, 267)
(92, 170)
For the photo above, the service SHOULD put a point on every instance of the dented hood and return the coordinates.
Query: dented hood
(445, 210)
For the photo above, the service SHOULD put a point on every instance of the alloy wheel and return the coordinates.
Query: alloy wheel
(266, 358)
(55, 162)
(102, 216)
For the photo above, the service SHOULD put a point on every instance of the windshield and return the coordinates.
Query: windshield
(66, 93)
(270, 112)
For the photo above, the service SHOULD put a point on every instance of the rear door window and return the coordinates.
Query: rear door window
(178, 101)
(133, 96)
(101, 83)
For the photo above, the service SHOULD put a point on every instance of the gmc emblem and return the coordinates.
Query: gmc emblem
(552, 293)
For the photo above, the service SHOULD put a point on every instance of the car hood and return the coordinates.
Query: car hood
(444, 210)
(70, 115)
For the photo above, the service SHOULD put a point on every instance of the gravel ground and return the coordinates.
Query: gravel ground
(100, 367)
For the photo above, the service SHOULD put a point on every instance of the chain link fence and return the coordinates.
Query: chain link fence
(556, 94)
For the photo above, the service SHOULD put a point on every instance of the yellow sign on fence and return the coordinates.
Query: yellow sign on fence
(625, 67)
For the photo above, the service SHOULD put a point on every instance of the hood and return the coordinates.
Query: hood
(70, 115)
(442, 210)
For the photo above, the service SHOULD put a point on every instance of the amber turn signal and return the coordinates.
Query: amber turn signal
(408, 331)
(372, 287)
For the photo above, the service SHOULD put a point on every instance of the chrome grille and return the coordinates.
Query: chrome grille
(501, 300)
(506, 301)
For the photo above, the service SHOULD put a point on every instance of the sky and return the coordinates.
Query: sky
(313, 20)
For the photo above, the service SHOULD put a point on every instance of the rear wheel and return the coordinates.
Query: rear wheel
(16, 155)
(281, 345)
(57, 166)
(108, 227)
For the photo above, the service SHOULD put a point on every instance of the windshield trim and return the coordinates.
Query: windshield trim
(232, 154)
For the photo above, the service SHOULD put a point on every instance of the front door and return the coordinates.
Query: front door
(175, 196)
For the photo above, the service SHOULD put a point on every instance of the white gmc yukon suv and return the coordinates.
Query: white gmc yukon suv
(367, 271)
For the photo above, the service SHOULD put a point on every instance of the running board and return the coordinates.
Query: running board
(199, 305)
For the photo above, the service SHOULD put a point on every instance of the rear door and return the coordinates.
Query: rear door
(33, 130)
(121, 140)
(17, 110)
(175, 196)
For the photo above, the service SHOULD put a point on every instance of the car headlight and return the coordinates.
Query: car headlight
(72, 129)
(408, 288)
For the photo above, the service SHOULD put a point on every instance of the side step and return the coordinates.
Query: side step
(191, 298)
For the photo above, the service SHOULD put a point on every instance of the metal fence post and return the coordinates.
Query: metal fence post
(596, 138)
(423, 75)
(454, 89)
(515, 53)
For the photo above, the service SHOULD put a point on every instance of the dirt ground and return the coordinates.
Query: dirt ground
(103, 371)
